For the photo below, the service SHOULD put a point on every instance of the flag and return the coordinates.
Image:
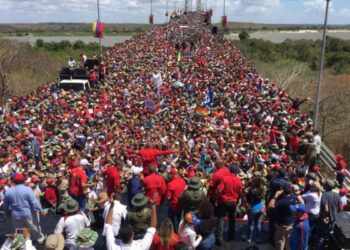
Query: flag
(97, 29)
(202, 112)
(209, 98)
(179, 56)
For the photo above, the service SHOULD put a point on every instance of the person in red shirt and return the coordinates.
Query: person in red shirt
(155, 187)
(77, 184)
(165, 238)
(294, 142)
(112, 178)
(51, 194)
(149, 156)
(175, 188)
(229, 191)
(340, 169)
(220, 172)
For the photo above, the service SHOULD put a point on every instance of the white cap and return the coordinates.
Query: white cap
(136, 170)
(84, 162)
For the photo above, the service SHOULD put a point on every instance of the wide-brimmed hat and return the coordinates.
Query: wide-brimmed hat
(139, 200)
(18, 242)
(195, 183)
(102, 197)
(70, 206)
(86, 238)
(55, 241)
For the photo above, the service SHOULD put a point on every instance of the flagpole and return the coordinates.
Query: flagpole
(98, 19)
(323, 50)
(167, 11)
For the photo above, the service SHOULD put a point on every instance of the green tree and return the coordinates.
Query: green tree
(79, 44)
(243, 35)
(39, 43)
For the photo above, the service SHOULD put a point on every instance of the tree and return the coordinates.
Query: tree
(39, 43)
(243, 35)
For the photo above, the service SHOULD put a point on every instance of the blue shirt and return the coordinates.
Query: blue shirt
(21, 201)
(134, 187)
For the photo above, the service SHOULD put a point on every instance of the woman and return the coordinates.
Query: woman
(187, 233)
(206, 226)
(166, 238)
(254, 197)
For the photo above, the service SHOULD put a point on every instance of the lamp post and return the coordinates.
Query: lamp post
(98, 19)
(323, 50)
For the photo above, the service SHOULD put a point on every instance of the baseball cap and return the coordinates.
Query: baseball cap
(84, 162)
(18, 177)
(298, 208)
(74, 164)
(173, 171)
(192, 219)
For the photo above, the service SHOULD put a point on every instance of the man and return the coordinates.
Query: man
(157, 81)
(175, 188)
(71, 63)
(149, 156)
(330, 206)
(112, 178)
(229, 192)
(317, 141)
(192, 197)
(155, 187)
(71, 223)
(340, 169)
(127, 234)
(220, 172)
(119, 212)
(135, 183)
(78, 182)
(299, 237)
(281, 203)
(20, 200)
(50, 194)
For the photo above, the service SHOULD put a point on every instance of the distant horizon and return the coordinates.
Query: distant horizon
(282, 12)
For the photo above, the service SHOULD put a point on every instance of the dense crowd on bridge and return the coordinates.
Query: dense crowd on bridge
(179, 133)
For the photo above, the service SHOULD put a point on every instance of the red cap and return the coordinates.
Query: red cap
(343, 191)
(173, 171)
(74, 164)
(18, 177)
(316, 168)
(276, 167)
(34, 179)
(338, 157)
(49, 181)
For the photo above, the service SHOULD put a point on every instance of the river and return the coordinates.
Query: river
(274, 36)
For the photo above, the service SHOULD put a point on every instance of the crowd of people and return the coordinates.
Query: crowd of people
(180, 134)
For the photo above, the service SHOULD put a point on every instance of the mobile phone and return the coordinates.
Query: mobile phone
(19, 230)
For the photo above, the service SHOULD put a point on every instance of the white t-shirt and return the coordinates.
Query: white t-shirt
(317, 141)
(143, 244)
(119, 212)
(157, 80)
(312, 202)
(72, 226)
(189, 236)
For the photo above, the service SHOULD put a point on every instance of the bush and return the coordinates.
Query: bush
(79, 44)
(39, 43)
(243, 35)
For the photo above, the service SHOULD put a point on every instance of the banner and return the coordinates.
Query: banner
(97, 29)
(151, 17)
(224, 22)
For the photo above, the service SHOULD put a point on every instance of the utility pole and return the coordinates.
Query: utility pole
(98, 19)
(323, 50)
(167, 11)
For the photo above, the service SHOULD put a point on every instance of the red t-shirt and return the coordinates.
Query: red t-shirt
(112, 179)
(77, 177)
(341, 166)
(155, 187)
(175, 188)
(231, 188)
(216, 179)
(50, 194)
(156, 245)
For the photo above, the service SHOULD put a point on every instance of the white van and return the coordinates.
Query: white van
(75, 84)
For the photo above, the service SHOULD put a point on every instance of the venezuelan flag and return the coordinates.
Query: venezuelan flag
(203, 112)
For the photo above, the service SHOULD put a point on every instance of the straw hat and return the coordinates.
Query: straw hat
(55, 241)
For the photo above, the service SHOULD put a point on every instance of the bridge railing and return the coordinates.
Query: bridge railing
(328, 163)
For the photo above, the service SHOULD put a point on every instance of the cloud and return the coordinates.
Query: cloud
(258, 6)
(317, 5)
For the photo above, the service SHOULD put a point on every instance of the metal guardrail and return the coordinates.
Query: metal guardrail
(327, 160)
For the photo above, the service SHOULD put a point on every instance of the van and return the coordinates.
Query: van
(75, 84)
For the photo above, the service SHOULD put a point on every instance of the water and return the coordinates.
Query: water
(273, 36)
(280, 36)
(106, 41)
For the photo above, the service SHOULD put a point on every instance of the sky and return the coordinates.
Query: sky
(137, 11)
